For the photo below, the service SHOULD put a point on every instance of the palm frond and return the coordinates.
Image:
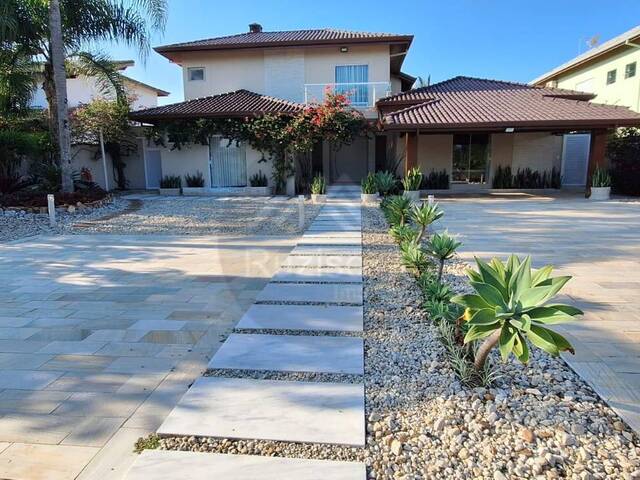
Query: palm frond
(101, 67)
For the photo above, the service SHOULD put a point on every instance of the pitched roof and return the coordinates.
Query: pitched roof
(159, 92)
(324, 36)
(465, 102)
(233, 104)
(606, 47)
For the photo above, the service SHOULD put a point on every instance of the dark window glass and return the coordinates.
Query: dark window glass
(630, 70)
(611, 77)
(470, 158)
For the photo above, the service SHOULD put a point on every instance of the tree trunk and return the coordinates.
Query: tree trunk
(49, 88)
(60, 82)
(485, 348)
(113, 149)
(440, 269)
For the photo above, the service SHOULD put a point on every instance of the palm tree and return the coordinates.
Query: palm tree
(83, 23)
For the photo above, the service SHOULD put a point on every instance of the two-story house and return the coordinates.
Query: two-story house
(466, 126)
(609, 71)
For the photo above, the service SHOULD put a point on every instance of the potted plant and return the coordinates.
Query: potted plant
(600, 184)
(369, 189)
(386, 183)
(170, 185)
(195, 184)
(318, 189)
(259, 185)
(411, 183)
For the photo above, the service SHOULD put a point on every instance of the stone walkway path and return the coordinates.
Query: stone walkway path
(318, 290)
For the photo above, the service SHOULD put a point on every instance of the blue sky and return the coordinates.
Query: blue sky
(509, 40)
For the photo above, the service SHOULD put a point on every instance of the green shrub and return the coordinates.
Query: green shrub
(600, 178)
(194, 181)
(369, 184)
(526, 178)
(435, 180)
(510, 309)
(403, 233)
(318, 185)
(171, 181)
(442, 246)
(623, 151)
(412, 180)
(386, 183)
(424, 215)
(414, 258)
(259, 180)
(396, 210)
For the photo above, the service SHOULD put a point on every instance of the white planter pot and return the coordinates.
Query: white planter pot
(369, 197)
(413, 195)
(318, 198)
(170, 191)
(600, 193)
(258, 191)
(193, 191)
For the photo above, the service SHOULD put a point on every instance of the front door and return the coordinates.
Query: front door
(349, 163)
(228, 163)
(153, 168)
(575, 159)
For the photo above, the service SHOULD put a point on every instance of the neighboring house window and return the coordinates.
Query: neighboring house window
(352, 81)
(611, 77)
(630, 70)
(195, 73)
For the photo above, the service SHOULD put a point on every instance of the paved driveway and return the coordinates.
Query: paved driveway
(599, 245)
(100, 335)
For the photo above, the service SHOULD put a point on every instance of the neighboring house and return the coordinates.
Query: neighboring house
(82, 90)
(464, 125)
(610, 71)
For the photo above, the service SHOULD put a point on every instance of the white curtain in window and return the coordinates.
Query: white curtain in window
(349, 80)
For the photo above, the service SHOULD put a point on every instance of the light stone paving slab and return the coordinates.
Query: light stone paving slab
(319, 261)
(356, 234)
(316, 412)
(157, 325)
(327, 250)
(319, 240)
(335, 229)
(326, 275)
(27, 379)
(303, 317)
(311, 293)
(291, 353)
(44, 462)
(171, 465)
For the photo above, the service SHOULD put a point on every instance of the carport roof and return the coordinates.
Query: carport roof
(464, 103)
(240, 103)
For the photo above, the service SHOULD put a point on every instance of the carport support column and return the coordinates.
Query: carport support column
(596, 154)
(410, 151)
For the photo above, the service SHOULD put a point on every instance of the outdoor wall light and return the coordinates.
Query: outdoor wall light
(344, 49)
(509, 129)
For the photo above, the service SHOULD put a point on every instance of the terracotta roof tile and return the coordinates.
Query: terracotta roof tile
(232, 104)
(479, 103)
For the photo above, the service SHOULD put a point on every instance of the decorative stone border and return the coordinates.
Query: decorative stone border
(67, 208)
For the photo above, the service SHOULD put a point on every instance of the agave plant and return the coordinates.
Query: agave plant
(369, 184)
(386, 183)
(413, 257)
(442, 246)
(403, 233)
(397, 209)
(424, 215)
(510, 308)
(412, 180)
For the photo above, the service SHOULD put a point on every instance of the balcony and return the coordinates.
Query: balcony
(362, 96)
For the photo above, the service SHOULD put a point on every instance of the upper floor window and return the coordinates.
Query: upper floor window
(352, 80)
(195, 73)
(630, 70)
(611, 77)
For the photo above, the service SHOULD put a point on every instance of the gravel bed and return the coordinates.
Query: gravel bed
(291, 376)
(209, 215)
(539, 421)
(318, 333)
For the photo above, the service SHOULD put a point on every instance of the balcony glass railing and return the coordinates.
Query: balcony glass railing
(361, 95)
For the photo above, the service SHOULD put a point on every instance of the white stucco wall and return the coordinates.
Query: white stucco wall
(435, 152)
(284, 73)
(537, 150)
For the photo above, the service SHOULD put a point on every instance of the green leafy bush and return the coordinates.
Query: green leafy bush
(171, 181)
(194, 181)
(318, 185)
(442, 246)
(413, 257)
(526, 178)
(600, 178)
(403, 233)
(510, 308)
(435, 180)
(369, 184)
(258, 180)
(623, 151)
(412, 180)
(424, 215)
(386, 183)
(396, 210)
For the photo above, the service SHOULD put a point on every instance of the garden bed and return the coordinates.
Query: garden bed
(36, 202)
(537, 421)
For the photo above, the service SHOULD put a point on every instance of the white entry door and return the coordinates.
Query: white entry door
(152, 168)
(575, 159)
(228, 163)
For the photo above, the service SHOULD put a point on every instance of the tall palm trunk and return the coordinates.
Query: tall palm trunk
(49, 88)
(60, 82)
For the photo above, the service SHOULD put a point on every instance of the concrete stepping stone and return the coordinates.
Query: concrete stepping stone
(174, 465)
(303, 317)
(319, 275)
(315, 261)
(242, 408)
(327, 250)
(291, 353)
(350, 235)
(322, 240)
(311, 293)
(320, 227)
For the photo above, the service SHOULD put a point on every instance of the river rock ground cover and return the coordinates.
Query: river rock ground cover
(537, 421)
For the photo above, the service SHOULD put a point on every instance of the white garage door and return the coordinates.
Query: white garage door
(575, 159)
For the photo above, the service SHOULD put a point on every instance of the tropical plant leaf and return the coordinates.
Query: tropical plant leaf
(486, 316)
(556, 284)
(542, 339)
(541, 275)
(476, 332)
(472, 301)
(490, 293)
(506, 341)
(490, 276)
(550, 315)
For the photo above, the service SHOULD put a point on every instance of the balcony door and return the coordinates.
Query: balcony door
(351, 80)
(228, 163)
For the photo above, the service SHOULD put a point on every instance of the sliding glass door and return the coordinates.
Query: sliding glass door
(470, 158)
(352, 80)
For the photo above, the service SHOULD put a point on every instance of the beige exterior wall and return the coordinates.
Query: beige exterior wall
(593, 78)
(435, 152)
(538, 151)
